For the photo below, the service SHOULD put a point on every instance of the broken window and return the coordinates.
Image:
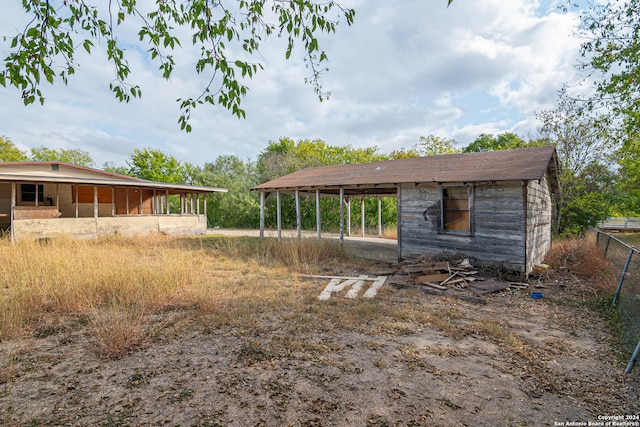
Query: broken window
(456, 209)
(28, 192)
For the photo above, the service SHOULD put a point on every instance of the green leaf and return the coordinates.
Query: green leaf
(87, 45)
(47, 43)
(33, 32)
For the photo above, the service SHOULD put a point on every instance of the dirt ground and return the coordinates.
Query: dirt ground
(426, 360)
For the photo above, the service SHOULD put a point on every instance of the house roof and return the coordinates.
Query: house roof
(66, 173)
(384, 177)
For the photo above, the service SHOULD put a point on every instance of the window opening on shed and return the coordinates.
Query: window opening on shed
(28, 192)
(456, 209)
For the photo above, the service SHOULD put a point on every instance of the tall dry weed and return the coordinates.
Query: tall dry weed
(295, 254)
(116, 330)
(390, 232)
(71, 277)
(581, 257)
(117, 283)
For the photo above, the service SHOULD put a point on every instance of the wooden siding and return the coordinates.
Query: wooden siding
(133, 195)
(539, 213)
(5, 206)
(86, 195)
(498, 217)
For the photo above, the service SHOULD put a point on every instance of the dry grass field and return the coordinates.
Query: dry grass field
(220, 331)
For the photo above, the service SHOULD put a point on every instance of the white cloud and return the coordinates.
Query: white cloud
(404, 69)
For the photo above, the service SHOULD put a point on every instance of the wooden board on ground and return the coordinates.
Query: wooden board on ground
(488, 286)
(432, 277)
(355, 284)
(425, 267)
(468, 298)
(435, 285)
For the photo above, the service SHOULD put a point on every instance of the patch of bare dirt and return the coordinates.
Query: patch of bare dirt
(412, 359)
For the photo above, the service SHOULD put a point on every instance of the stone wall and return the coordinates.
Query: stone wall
(90, 228)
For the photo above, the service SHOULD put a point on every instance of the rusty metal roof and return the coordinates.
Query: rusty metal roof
(61, 172)
(384, 177)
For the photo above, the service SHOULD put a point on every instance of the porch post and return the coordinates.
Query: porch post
(348, 216)
(341, 216)
(12, 215)
(261, 214)
(198, 204)
(77, 191)
(362, 214)
(298, 219)
(166, 195)
(379, 217)
(204, 203)
(318, 212)
(113, 201)
(279, 214)
(37, 193)
(58, 198)
(140, 204)
(127, 203)
(95, 201)
(399, 221)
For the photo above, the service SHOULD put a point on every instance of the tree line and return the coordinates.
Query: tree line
(597, 179)
(594, 126)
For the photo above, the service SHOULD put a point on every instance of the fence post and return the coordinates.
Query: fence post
(606, 247)
(624, 273)
(636, 353)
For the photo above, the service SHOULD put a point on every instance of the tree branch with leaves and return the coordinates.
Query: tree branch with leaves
(611, 58)
(227, 35)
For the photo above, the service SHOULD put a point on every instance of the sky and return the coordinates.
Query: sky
(404, 69)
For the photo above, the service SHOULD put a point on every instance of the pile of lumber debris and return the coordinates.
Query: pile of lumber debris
(439, 274)
(446, 277)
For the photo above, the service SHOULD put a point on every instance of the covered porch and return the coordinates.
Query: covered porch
(346, 195)
(40, 206)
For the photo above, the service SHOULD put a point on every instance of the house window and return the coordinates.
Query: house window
(28, 192)
(456, 209)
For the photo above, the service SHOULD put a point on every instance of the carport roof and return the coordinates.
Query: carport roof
(383, 178)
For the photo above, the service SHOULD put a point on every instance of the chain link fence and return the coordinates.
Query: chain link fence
(626, 261)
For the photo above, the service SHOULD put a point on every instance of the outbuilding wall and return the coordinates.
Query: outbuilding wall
(498, 232)
(539, 217)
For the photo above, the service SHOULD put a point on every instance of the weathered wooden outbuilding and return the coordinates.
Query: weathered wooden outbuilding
(495, 207)
(48, 199)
